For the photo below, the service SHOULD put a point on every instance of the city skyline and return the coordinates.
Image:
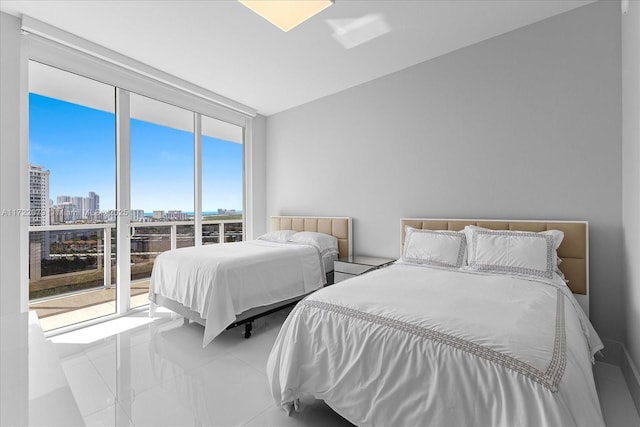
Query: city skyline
(70, 209)
(161, 159)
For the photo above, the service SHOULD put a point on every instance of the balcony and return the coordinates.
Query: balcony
(72, 268)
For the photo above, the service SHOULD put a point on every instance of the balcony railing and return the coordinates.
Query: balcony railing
(76, 257)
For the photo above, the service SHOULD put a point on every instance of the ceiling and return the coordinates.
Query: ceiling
(224, 47)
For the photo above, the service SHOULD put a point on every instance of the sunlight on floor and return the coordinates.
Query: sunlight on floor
(84, 306)
(100, 331)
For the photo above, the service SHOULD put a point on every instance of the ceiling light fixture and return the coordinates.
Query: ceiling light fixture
(287, 14)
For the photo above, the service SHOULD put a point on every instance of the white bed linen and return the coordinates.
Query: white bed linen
(411, 345)
(220, 281)
(327, 260)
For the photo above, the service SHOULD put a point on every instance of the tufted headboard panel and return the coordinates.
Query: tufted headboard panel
(340, 227)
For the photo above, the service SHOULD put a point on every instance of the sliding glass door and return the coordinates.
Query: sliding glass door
(117, 178)
(222, 170)
(162, 182)
(72, 223)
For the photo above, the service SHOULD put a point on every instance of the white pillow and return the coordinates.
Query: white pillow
(513, 252)
(281, 236)
(324, 242)
(441, 248)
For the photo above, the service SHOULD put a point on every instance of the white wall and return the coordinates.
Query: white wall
(13, 329)
(631, 174)
(522, 126)
(10, 165)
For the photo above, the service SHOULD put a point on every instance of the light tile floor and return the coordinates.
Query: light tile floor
(142, 371)
(617, 406)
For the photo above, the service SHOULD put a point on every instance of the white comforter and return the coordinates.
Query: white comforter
(416, 346)
(220, 281)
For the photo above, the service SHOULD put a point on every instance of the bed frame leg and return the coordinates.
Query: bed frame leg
(247, 329)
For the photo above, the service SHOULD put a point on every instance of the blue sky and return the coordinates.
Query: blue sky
(77, 145)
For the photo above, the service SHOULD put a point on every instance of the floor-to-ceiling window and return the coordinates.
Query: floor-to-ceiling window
(72, 196)
(222, 173)
(75, 169)
(162, 186)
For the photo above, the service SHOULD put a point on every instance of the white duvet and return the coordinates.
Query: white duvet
(410, 345)
(220, 281)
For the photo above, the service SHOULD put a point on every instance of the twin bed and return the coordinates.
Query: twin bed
(223, 286)
(476, 324)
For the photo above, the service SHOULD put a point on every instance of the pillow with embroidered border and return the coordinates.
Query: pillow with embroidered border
(280, 236)
(513, 252)
(441, 248)
(324, 242)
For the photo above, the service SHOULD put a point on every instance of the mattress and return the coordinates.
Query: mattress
(415, 345)
(220, 281)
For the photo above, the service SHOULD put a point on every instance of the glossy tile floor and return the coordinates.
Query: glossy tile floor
(141, 371)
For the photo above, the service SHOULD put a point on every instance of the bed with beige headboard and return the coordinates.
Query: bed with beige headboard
(574, 249)
(441, 331)
(339, 227)
(228, 276)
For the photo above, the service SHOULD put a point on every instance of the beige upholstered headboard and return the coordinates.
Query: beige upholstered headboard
(340, 227)
(573, 251)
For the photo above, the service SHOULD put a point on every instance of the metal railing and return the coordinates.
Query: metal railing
(103, 248)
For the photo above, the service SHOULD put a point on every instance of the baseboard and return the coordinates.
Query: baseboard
(631, 376)
(615, 353)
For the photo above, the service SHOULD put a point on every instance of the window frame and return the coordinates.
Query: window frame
(56, 48)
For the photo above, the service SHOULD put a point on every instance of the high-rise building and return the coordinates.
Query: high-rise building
(158, 214)
(69, 212)
(38, 195)
(39, 213)
(176, 215)
(137, 215)
(78, 204)
(57, 214)
(90, 206)
(83, 207)
(87, 211)
(94, 204)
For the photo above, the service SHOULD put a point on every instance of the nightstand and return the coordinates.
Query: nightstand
(356, 265)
